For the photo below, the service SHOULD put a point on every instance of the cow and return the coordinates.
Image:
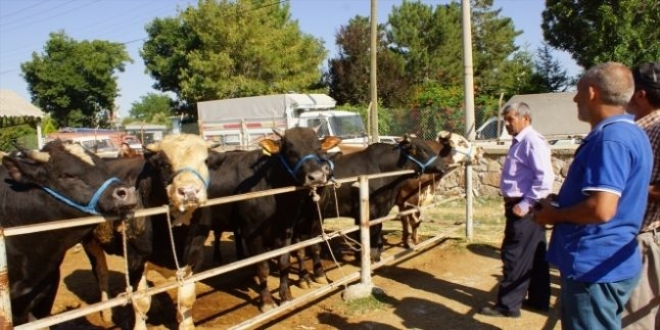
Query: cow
(173, 172)
(297, 159)
(411, 153)
(420, 191)
(61, 181)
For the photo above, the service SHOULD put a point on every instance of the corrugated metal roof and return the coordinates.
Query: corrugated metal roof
(13, 105)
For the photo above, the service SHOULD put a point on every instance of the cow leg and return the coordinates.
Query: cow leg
(304, 278)
(319, 271)
(415, 221)
(43, 303)
(405, 223)
(376, 240)
(217, 254)
(186, 299)
(255, 247)
(284, 264)
(141, 305)
(99, 264)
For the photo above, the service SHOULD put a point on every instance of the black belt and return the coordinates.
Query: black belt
(512, 200)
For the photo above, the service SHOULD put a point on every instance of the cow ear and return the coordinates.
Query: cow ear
(22, 171)
(443, 135)
(329, 142)
(269, 147)
(215, 159)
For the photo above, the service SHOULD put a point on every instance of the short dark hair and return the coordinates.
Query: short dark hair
(647, 78)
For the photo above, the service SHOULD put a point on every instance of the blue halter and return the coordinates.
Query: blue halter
(300, 163)
(191, 170)
(422, 165)
(90, 208)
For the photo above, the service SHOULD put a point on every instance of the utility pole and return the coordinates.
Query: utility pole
(373, 73)
(469, 110)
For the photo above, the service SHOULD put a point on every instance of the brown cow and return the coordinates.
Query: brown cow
(420, 191)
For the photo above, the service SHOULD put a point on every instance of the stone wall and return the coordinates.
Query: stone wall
(486, 174)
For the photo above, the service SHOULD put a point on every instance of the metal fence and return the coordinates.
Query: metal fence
(364, 274)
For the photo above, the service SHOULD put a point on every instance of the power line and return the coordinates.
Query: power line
(23, 9)
(53, 16)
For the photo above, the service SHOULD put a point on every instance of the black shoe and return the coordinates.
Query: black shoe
(535, 307)
(495, 311)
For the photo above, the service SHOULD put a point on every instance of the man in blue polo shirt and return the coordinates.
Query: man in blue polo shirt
(599, 209)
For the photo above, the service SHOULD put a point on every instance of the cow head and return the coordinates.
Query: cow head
(458, 150)
(180, 161)
(72, 175)
(302, 154)
(420, 153)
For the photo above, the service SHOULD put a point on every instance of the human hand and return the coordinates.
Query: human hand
(518, 211)
(546, 212)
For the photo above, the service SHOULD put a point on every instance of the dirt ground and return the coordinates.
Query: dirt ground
(443, 288)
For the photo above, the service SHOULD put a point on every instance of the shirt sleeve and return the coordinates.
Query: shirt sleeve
(602, 173)
(540, 164)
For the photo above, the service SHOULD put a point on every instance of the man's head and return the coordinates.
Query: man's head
(604, 90)
(516, 117)
(646, 98)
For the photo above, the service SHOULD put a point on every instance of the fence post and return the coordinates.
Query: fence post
(6, 321)
(365, 287)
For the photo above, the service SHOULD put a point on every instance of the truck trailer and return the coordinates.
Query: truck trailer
(243, 122)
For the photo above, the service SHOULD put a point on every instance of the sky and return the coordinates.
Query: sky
(25, 26)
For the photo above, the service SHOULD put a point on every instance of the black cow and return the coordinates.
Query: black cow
(62, 181)
(173, 173)
(297, 159)
(411, 153)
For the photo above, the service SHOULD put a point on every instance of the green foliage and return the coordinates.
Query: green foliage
(225, 49)
(153, 109)
(24, 134)
(549, 75)
(48, 125)
(349, 73)
(599, 31)
(75, 77)
(385, 116)
(438, 108)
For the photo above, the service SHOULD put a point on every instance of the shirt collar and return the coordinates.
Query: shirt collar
(609, 120)
(519, 137)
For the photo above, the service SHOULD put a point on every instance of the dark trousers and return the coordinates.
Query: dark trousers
(525, 270)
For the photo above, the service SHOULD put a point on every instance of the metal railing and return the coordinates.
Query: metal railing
(364, 275)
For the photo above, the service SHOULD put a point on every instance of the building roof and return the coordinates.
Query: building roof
(553, 113)
(13, 105)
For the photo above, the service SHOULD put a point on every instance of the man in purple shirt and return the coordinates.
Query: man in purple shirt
(527, 177)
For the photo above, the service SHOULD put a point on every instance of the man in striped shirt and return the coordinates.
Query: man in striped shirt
(641, 311)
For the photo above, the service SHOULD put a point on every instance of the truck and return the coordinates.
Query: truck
(243, 122)
(554, 115)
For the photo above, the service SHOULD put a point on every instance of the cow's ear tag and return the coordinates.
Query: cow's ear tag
(266, 152)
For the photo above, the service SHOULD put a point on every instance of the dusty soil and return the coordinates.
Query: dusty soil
(443, 288)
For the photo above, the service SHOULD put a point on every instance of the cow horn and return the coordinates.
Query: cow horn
(40, 156)
(278, 132)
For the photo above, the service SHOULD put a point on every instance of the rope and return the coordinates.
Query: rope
(316, 198)
(124, 242)
(349, 241)
(179, 270)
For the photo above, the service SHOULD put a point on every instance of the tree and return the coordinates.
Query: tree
(152, 108)
(549, 75)
(599, 31)
(75, 77)
(225, 49)
(349, 72)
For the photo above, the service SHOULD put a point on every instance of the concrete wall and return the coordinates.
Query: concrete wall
(486, 174)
